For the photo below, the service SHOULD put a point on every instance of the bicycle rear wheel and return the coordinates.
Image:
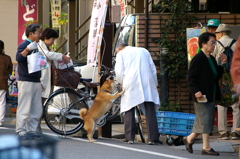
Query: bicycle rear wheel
(61, 111)
(138, 123)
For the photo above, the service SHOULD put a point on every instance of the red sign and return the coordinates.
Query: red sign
(26, 12)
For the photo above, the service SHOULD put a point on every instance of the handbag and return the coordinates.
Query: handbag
(36, 62)
(228, 96)
(64, 77)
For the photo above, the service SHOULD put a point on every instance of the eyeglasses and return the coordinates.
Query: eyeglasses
(37, 32)
(213, 42)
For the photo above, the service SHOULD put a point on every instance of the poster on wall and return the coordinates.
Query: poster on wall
(12, 81)
(192, 41)
(96, 29)
(27, 11)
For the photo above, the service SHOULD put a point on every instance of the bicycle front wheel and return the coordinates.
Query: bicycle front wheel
(115, 109)
(61, 112)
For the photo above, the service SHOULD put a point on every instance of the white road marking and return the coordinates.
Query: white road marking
(7, 128)
(123, 147)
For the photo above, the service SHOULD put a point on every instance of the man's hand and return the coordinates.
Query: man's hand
(223, 58)
(32, 46)
(237, 89)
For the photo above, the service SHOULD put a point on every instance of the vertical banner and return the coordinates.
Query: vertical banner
(27, 11)
(95, 33)
(122, 5)
(192, 41)
(56, 12)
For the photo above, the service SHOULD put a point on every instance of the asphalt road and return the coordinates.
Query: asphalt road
(76, 148)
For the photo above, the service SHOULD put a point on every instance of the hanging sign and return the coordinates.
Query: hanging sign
(27, 11)
(122, 5)
(56, 12)
(95, 33)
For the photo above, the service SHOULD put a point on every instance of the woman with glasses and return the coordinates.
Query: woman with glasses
(47, 39)
(202, 78)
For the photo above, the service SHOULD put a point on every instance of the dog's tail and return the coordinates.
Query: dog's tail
(83, 112)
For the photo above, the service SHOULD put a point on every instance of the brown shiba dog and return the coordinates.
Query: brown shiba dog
(102, 104)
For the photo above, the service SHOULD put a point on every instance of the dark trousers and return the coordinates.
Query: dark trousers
(151, 122)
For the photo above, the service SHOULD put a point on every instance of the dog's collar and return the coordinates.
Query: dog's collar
(105, 91)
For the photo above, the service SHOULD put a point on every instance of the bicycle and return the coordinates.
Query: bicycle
(61, 109)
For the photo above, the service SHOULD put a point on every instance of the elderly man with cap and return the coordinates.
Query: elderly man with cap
(213, 25)
(223, 31)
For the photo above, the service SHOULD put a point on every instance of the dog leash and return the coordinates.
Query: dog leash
(105, 91)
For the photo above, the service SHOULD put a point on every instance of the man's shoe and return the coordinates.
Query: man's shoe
(21, 133)
(188, 145)
(128, 141)
(29, 135)
(224, 136)
(210, 152)
(155, 142)
(235, 136)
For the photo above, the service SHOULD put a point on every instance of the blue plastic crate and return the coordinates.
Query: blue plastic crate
(175, 120)
(175, 115)
(175, 123)
(175, 126)
(177, 132)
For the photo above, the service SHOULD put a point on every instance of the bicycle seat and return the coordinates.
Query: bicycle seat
(85, 79)
(90, 85)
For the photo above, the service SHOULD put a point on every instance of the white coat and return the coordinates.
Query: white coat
(137, 73)
(46, 73)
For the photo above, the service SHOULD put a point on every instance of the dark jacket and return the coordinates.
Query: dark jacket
(23, 67)
(5, 70)
(200, 77)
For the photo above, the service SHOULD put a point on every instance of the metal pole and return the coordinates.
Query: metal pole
(72, 28)
(146, 24)
(163, 78)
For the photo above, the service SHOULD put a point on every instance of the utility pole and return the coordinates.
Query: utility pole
(106, 59)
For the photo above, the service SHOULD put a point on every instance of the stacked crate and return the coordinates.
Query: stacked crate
(175, 123)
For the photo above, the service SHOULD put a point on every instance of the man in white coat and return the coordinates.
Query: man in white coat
(136, 72)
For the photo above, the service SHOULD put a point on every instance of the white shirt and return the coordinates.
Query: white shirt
(226, 41)
(137, 73)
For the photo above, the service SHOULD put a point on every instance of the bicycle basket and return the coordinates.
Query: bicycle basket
(65, 78)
